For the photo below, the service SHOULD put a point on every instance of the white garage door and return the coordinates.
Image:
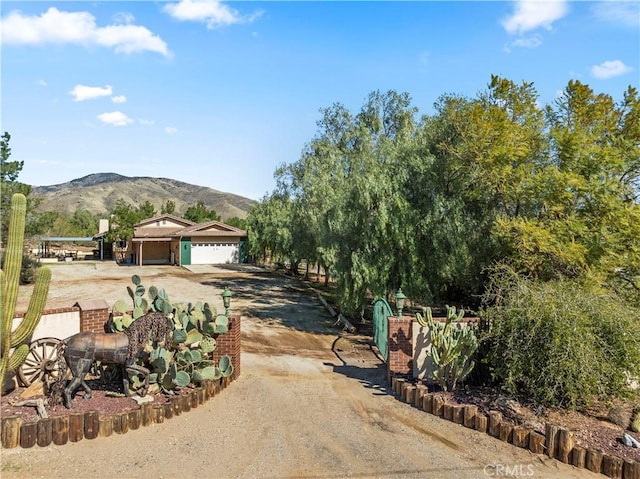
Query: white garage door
(214, 253)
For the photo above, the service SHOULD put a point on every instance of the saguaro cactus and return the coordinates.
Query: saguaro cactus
(9, 281)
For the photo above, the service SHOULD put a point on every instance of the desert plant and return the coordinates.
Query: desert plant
(635, 425)
(452, 347)
(195, 327)
(560, 342)
(10, 279)
(27, 270)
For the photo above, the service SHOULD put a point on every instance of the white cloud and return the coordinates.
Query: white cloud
(610, 69)
(119, 99)
(79, 28)
(531, 42)
(146, 122)
(115, 118)
(82, 92)
(212, 12)
(41, 83)
(169, 130)
(531, 15)
(622, 13)
(124, 18)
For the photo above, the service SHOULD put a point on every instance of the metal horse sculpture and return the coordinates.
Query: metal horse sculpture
(81, 350)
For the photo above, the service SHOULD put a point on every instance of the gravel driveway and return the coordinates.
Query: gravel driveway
(311, 402)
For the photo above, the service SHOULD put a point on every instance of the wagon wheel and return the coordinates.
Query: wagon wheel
(41, 363)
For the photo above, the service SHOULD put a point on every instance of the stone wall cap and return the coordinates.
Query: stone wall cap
(92, 304)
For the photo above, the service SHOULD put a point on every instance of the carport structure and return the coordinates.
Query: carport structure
(44, 245)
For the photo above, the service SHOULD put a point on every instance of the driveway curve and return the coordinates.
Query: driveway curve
(311, 402)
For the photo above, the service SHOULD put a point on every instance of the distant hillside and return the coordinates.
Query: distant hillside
(99, 192)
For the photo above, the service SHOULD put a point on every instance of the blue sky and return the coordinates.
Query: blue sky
(220, 93)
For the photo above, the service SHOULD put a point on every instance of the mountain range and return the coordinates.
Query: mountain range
(99, 192)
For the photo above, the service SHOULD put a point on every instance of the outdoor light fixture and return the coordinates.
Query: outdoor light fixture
(226, 300)
(400, 297)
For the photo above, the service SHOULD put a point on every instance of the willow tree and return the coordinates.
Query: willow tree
(346, 198)
(269, 228)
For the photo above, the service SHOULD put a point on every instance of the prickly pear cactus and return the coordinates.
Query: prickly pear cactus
(195, 327)
(13, 349)
(451, 347)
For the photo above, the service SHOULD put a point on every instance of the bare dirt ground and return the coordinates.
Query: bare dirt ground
(311, 402)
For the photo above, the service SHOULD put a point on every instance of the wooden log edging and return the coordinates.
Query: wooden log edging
(76, 426)
(557, 442)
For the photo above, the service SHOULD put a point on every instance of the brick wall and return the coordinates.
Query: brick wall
(94, 314)
(400, 346)
(229, 344)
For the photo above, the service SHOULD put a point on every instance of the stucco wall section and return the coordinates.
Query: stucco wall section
(59, 323)
(423, 366)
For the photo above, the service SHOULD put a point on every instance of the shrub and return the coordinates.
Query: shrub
(559, 342)
(27, 270)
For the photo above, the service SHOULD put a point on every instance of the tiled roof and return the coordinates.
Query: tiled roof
(218, 227)
(166, 216)
(210, 228)
(155, 232)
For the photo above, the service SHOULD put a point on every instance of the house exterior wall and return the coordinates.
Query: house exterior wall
(423, 366)
(174, 254)
(215, 239)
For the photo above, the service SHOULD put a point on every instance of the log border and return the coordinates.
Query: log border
(556, 442)
(75, 425)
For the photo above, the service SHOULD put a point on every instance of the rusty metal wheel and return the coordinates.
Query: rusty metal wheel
(41, 363)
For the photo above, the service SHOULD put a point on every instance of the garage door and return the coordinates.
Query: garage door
(214, 253)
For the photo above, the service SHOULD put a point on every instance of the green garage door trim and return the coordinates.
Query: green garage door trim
(185, 251)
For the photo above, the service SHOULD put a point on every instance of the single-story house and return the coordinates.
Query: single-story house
(169, 239)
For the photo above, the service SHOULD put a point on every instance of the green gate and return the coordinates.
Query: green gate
(381, 313)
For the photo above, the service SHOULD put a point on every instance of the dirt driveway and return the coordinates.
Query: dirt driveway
(311, 402)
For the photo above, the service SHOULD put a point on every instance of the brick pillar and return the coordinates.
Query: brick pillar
(229, 344)
(93, 315)
(400, 339)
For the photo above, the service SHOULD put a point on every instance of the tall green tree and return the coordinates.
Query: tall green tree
(199, 213)
(382, 200)
(588, 218)
(269, 229)
(237, 222)
(481, 159)
(84, 223)
(125, 216)
(146, 210)
(9, 185)
(168, 208)
(346, 205)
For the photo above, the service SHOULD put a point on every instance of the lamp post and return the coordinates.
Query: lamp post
(226, 300)
(400, 297)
